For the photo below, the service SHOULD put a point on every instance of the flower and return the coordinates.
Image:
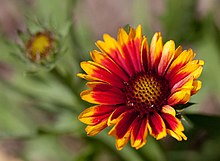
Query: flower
(136, 87)
(40, 45)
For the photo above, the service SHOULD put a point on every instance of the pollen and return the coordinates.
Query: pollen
(147, 92)
(40, 45)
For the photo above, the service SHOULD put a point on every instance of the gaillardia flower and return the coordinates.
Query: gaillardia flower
(136, 87)
(40, 46)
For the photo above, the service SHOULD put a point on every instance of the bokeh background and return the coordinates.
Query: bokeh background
(38, 110)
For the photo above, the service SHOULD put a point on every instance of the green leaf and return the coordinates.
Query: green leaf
(208, 123)
(127, 28)
(183, 106)
(152, 151)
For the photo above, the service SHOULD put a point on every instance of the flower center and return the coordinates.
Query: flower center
(39, 45)
(147, 92)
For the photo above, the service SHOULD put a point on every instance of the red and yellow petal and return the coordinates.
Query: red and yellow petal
(92, 130)
(193, 68)
(174, 126)
(186, 83)
(102, 86)
(117, 114)
(169, 110)
(121, 142)
(139, 132)
(134, 48)
(109, 44)
(132, 51)
(198, 71)
(145, 56)
(177, 52)
(122, 129)
(95, 114)
(107, 95)
(131, 45)
(123, 124)
(172, 122)
(138, 34)
(122, 37)
(196, 86)
(104, 60)
(88, 77)
(166, 57)
(178, 136)
(156, 126)
(101, 73)
(179, 97)
(156, 48)
(181, 60)
(114, 50)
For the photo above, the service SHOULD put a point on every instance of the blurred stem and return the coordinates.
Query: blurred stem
(66, 80)
(32, 96)
(75, 44)
(105, 145)
(127, 154)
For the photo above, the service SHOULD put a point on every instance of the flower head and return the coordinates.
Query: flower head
(136, 87)
(40, 45)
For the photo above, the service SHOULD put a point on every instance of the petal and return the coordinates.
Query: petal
(186, 83)
(131, 48)
(104, 60)
(166, 57)
(122, 36)
(138, 34)
(182, 135)
(197, 72)
(131, 34)
(193, 68)
(88, 77)
(156, 126)
(102, 86)
(169, 110)
(101, 73)
(113, 49)
(174, 135)
(145, 56)
(139, 132)
(179, 62)
(122, 126)
(132, 53)
(109, 44)
(122, 129)
(156, 47)
(179, 97)
(173, 124)
(178, 136)
(96, 114)
(178, 51)
(93, 130)
(121, 142)
(117, 114)
(103, 94)
(196, 86)
(137, 48)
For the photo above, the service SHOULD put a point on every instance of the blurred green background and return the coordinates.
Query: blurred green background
(38, 111)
